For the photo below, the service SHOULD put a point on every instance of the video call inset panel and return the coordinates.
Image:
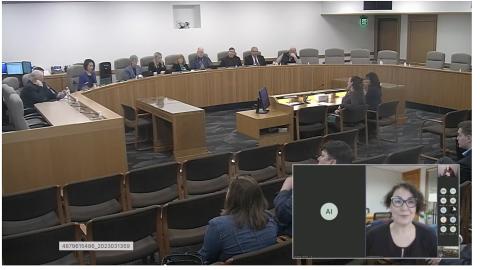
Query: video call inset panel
(376, 211)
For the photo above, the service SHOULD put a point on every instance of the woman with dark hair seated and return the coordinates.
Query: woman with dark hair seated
(402, 237)
(88, 79)
(373, 90)
(180, 64)
(243, 226)
(354, 96)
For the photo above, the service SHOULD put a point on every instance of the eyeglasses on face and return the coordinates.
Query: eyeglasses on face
(398, 202)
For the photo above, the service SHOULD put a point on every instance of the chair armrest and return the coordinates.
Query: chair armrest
(283, 238)
(144, 114)
(432, 120)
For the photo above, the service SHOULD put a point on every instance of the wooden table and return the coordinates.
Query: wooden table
(390, 92)
(254, 125)
(177, 126)
(59, 113)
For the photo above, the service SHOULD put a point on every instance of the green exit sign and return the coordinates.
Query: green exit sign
(363, 21)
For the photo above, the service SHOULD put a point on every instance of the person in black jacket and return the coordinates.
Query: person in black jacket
(37, 91)
(373, 90)
(254, 59)
(231, 60)
(289, 57)
(157, 64)
(464, 139)
(354, 96)
(402, 237)
(180, 65)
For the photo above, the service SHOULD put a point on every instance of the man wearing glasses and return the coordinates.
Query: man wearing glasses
(254, 59)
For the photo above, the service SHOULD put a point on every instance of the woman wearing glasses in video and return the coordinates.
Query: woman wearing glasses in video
(401, 236)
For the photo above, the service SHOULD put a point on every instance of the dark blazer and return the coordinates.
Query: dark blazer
(353, 99)
(466, 167)
(32, 94)
(177, 67)
(283, 211)
(231, 62)
(152, 68)
(248, 61)
(373, 97)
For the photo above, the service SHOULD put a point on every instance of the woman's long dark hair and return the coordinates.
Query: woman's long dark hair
(373, 78)
(357, 83)
(246, 203)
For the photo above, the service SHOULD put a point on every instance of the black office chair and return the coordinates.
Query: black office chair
(153, 185)
(42, 246)
(379, 159)
(138, 120)
(85, 200)
(207, 174)
(385, 115)
(355, 118)
(303, 151)
(407, 156)
(349, 137)
(185, 221)
(261, 163)
(141, 226)
(311, 122)
(277, 254)
(32, 210)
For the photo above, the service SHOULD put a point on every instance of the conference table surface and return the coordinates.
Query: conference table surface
(59, 113)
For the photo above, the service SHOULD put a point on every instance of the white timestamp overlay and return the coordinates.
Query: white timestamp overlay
(94, 245)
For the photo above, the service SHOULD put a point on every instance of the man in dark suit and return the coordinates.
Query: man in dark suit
(254, 59)
(37, 91)
(464, 139)
(231, 60)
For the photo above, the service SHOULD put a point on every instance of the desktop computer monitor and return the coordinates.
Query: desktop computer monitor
(351, 211)
(263, 100)
(27, 67)
(14, 68)
(4, 68)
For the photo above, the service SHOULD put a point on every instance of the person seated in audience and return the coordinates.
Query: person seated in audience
(201, 61)
(231, 60)
(133, 70)
(180, 64)
(373, 91)
(157, 65)
(464, 139)
(243, 226)
(289, 57)
(402, 236)
(333, 152)
(355, 95)
(37, 91)
(254, 59)
(88, 79)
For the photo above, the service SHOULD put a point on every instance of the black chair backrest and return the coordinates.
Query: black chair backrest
(33, 210)
(302, 149)
(452, 119)
(105, 69)
(355, 114)
(311, 115)
(387, 109)
(277, 254)
(270, 190)
(94, 191)
(371, 160)
(126, 226)
(195, 212)
(349, 137)
(407, 156)
(39, 246)
(129, 113)
(257, 158)
(157, 178)
(208, 167)
(382, 215)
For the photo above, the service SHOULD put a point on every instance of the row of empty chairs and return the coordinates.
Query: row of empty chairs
(458, 62)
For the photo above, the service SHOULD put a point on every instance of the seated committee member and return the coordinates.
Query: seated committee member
(243, 226)
(402, 237)
(133, 70)
(373, 90)
(333, 152)
(157, 65)
(88, 79)
(231, 60)
(180, 64)
(289, 57)
(201, 61)
(37, 91)
(254, 59)
(464, 139)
